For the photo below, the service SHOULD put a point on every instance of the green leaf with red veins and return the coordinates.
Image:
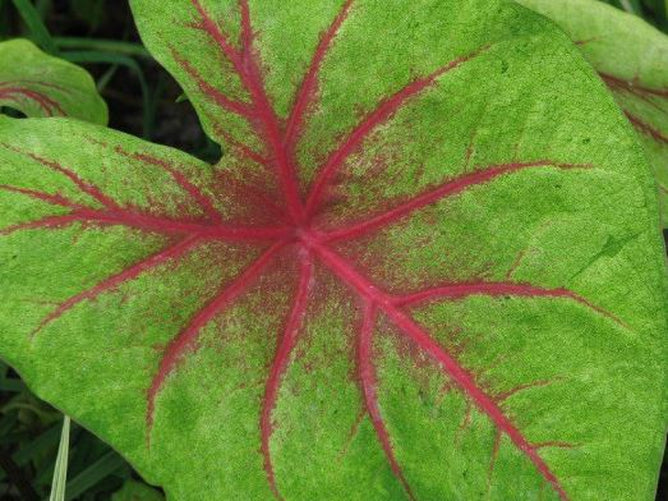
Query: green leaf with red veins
(40, 85)
(429, 266)
(631, 57)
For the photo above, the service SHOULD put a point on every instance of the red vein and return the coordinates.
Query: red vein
(186, 341)
(46, 222)
(48, 105)
(44, 197)
(242, 148)
(237, 107)
(214, 31)
(246, 36)
(367, 378)
(84, 186)
(631, 87)
(204, 201)
(157, 225)
(464, 379)
(496, 289)
(450, 188)
(307, 90)
(280, 363)
(120, 278)
(24, 81)
(246, 67)
(354, 429)
(169, 226)
(646, 128)
(386, 109)
(501, 397)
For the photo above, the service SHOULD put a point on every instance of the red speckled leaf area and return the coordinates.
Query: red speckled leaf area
(302, 233)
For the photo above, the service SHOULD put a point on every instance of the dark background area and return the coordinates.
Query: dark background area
(146, 102)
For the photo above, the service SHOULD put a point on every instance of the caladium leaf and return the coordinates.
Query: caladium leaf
(631, 57)
(40, 85)
(428, 266)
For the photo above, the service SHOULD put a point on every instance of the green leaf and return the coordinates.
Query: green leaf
(136, 491)
(43, 86)
(428, 265)
(632, 59)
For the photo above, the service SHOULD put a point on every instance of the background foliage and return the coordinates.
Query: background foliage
(144, 101)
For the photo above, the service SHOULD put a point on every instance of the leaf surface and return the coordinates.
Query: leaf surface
(631, 57)
(421, 274)
(40, 85)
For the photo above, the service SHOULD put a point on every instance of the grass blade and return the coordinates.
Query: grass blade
(114, 46)
(103, 467)
(60, 471)
(36, 26)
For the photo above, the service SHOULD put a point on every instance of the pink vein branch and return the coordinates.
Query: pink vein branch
(249, 72)
(307, 91)
(646, 128)
(210, 26)
(233, 106)
(496, 289)
(118, 279)
(27, 81)
(186, 341)
(272, 127)
(48, 105)
(368, 382)
(204, 202)
(450, 188)
(280, 363)
(243, 149)
(640, 91)
(154, 225)
(464, 380)
(385, 110)
(46, 222)
(467, 382)
(84, 186)
(44, 197)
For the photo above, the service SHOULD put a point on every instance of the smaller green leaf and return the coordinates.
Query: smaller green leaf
(60, 471)
(137, 491)
(40, 85)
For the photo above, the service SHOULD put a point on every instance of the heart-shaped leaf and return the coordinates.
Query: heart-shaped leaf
(40, 85)
(428, 266)
(632, 59)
